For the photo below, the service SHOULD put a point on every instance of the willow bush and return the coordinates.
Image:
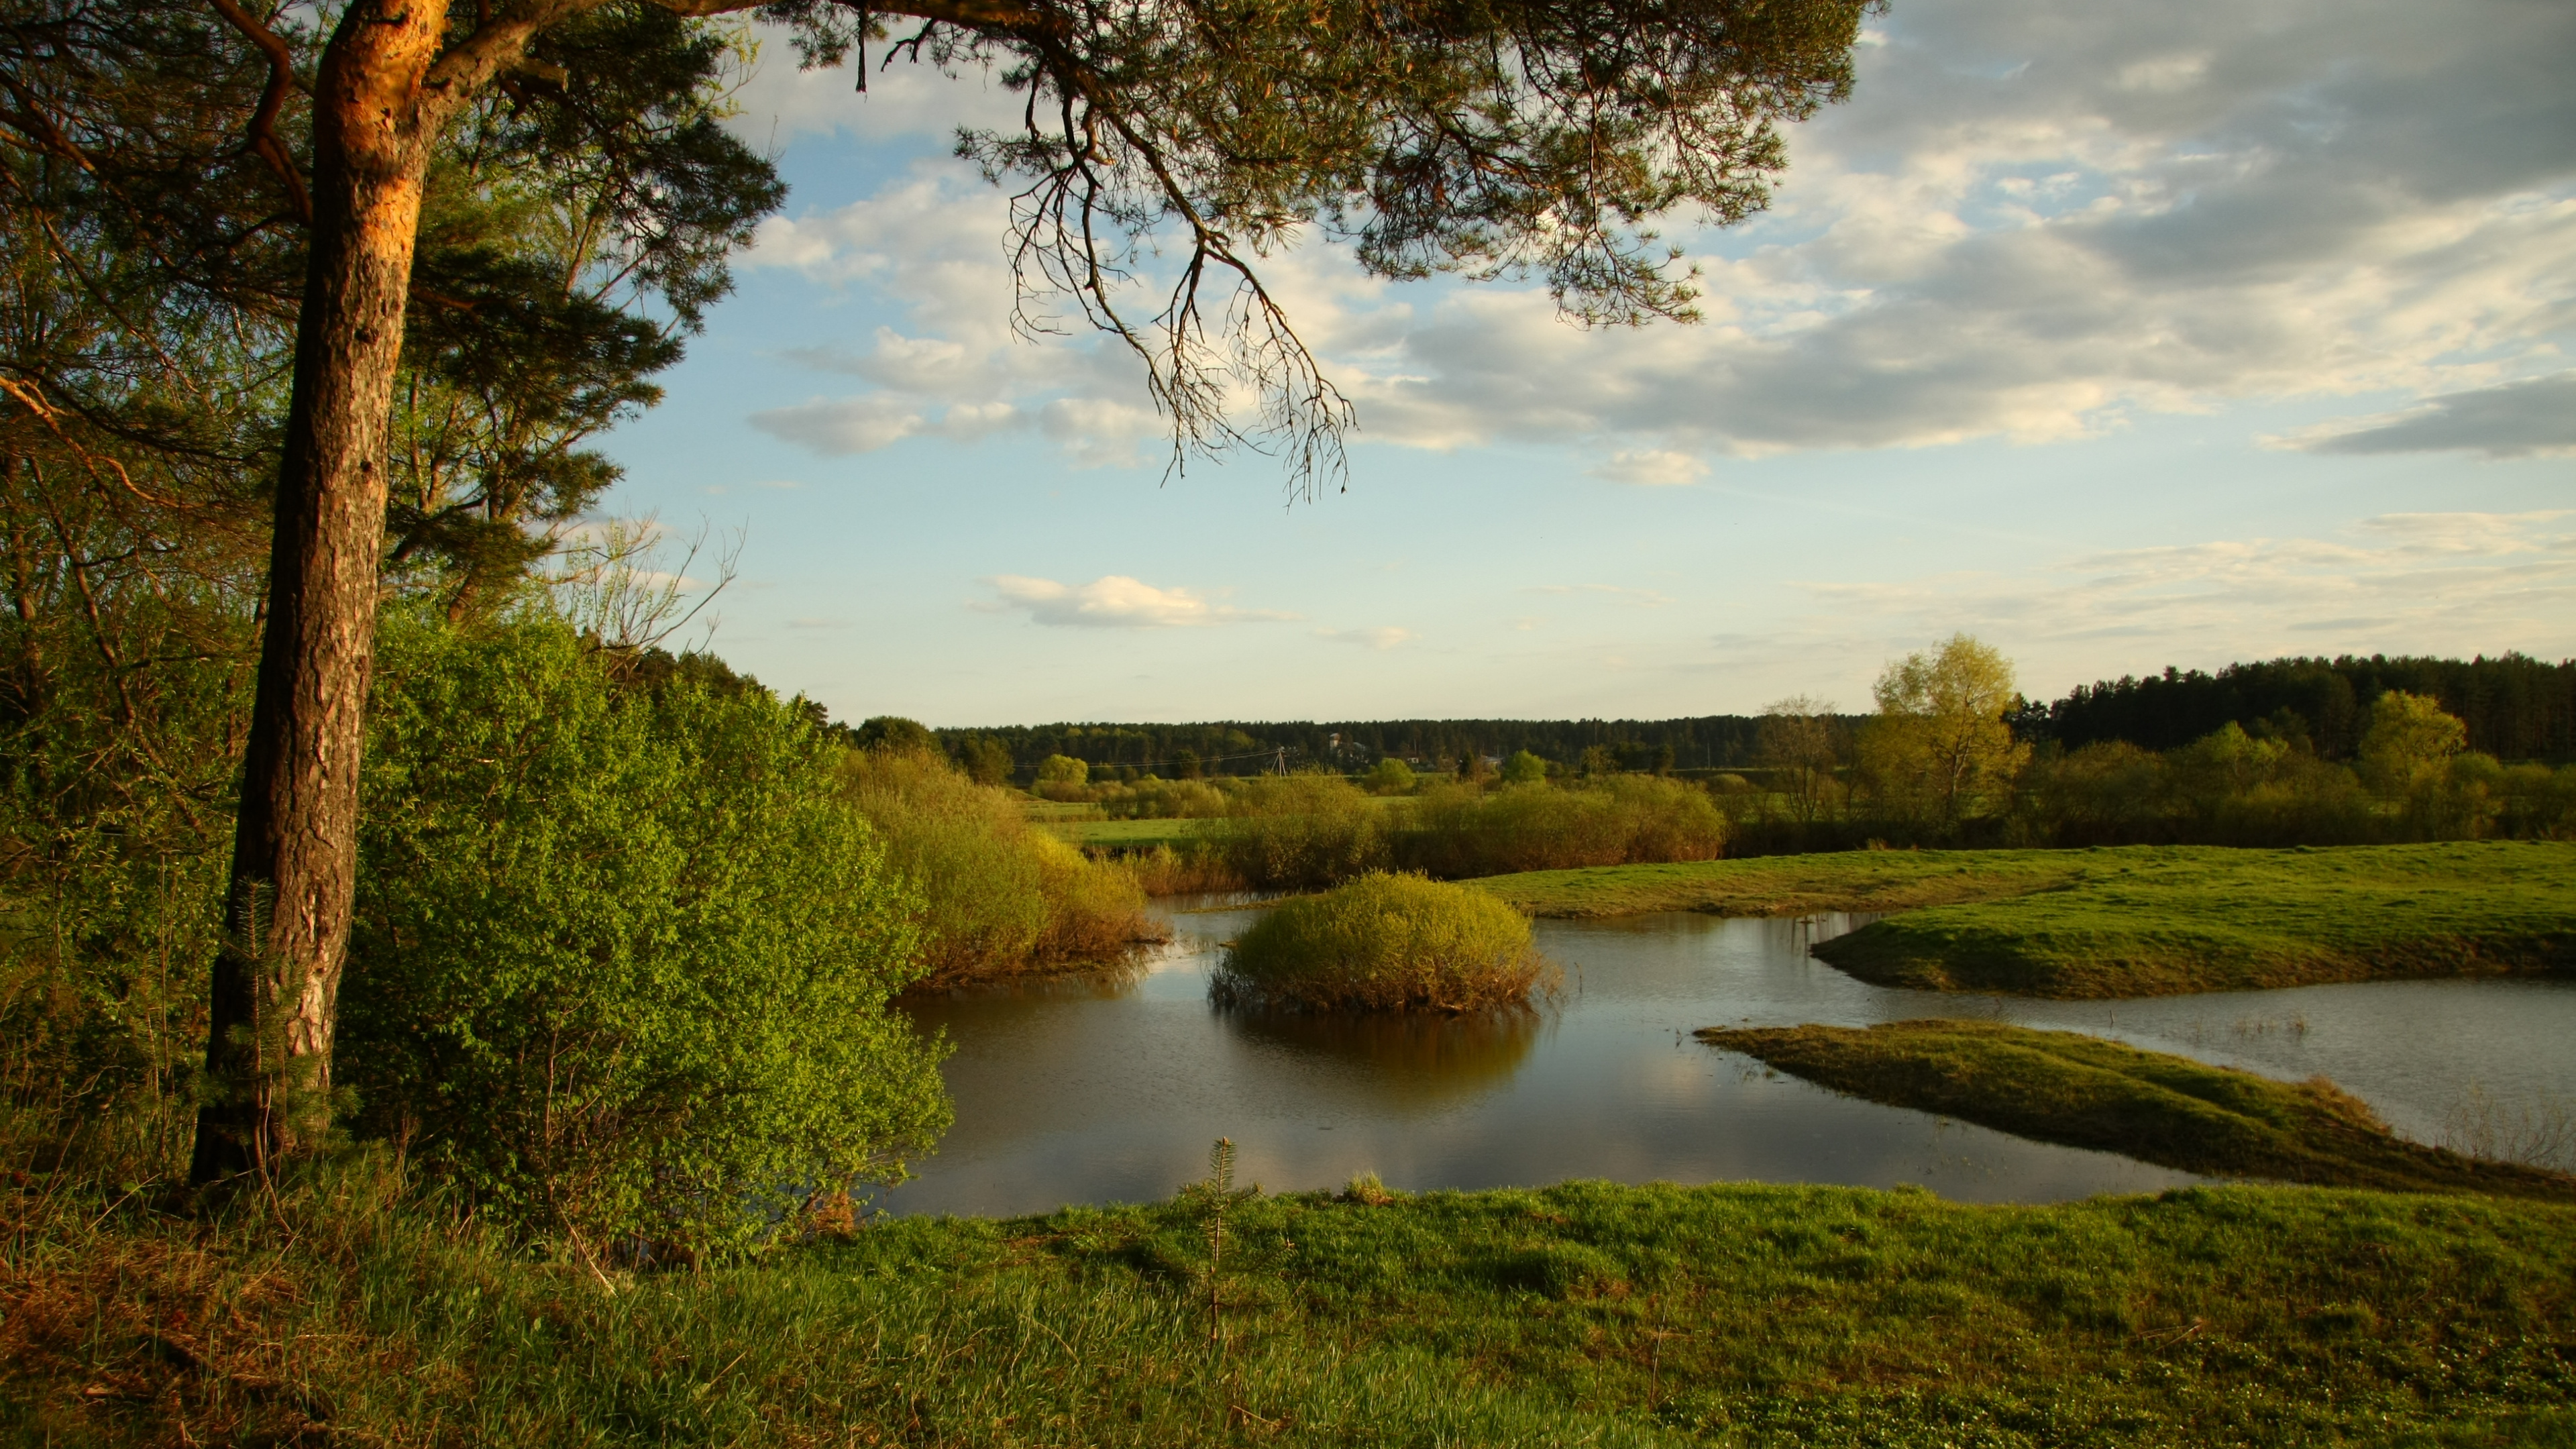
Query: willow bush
(1386, 942)
(1003, 897)
(1457, 831)
(1299, 831)
(623, 952)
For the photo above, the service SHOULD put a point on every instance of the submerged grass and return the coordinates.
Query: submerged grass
(2058, 1086)
(1586, 1313)
(2133, 921)
(1385, 943)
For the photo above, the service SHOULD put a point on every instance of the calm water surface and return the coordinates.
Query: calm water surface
(1110, 1090)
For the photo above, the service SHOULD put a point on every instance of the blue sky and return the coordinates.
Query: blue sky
(2119, 336)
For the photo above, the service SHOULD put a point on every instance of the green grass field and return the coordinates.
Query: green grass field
(1582, 1314)
(1794, 885)
(1124, 835)
(2134, 921)
(2059, 1086)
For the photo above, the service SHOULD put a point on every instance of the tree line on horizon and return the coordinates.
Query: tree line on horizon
(2515, 707)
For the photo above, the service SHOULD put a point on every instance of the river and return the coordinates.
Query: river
(1110, 1089)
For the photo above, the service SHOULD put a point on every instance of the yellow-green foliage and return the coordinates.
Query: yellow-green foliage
(1390, 776)
(1163, 871)
(1002, 897)
(1386, 943)
(1151, 799)
(1300, 830)
(1939, 751)
(1458, 831)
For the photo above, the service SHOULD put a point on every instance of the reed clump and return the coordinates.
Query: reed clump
(1163, 871)
(1387, 942)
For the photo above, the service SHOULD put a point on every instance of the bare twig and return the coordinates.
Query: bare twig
(264, 141)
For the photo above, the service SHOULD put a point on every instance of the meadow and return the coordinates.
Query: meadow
(337, 1309)
(2130, 921)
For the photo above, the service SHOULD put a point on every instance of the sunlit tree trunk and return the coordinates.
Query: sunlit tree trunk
(294, 865)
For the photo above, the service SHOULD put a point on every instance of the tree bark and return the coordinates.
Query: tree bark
(295, 845)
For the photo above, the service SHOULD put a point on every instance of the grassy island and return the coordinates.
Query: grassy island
(2059, 1086)
(1385, 943)
(2133, 921)
(1582, 1314)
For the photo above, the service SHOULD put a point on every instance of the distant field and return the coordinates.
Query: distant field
(1129, 834)
(1071, 823)
(1057, 812)
(1796, 885)
(2059, 1086)
(2135, 921)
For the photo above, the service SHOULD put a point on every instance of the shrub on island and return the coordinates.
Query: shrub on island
(1386, 943)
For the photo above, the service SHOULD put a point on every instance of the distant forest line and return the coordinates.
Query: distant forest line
(2516, 708)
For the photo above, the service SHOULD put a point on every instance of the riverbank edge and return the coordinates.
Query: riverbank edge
(2132, 921)
(1755, 1315)
(2083, 1091)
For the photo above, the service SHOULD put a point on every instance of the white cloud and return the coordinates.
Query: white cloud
(1652, 468)
(934, 239)
(1385, 636)
(2032, 222)
(1117, 602)
(2036, 224)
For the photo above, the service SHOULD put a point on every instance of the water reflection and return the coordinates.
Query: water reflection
(1110, 1089)
(1411, 1061)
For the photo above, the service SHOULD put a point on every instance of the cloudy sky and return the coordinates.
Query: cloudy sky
(2118, 335)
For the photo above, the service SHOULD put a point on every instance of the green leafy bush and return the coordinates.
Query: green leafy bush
(623, 954)
(1386, 943)
(117, 773)
(1390, 776)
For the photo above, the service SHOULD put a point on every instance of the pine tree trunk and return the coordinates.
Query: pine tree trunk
(294, 869)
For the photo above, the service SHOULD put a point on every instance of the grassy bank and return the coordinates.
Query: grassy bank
(2178, 920)
(1585, 1313)
(2135, 921)
(2059, 1086)
(1797, 885)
